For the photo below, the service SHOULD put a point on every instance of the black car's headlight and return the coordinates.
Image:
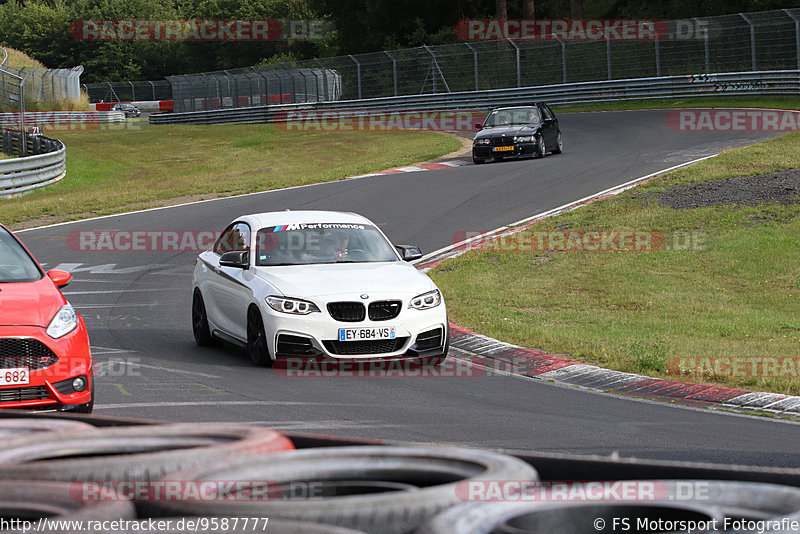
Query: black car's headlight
(431, 299)
(290, 305)
(523, 139)
(484, 141)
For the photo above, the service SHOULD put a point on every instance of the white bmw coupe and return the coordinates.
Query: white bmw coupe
(316, 284)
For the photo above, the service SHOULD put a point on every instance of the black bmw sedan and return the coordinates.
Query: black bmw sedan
(513, 132)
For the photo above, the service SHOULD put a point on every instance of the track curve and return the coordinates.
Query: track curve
(136, 306)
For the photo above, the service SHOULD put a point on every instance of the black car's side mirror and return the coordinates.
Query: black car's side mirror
(479, 126)
(238, 259)
(409, 252)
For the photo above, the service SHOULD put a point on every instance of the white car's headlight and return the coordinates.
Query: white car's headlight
(523, 139)
(64, 322)
(290, 305)
(431, 299)
(484, 141)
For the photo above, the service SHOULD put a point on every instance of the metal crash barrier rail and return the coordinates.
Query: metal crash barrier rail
(43, 162)
(783, 82)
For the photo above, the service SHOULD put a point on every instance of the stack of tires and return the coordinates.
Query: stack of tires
(245, 478)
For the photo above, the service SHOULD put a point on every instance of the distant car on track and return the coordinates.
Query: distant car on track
(130, 110)
(316, 284)
(45, 360)
(514, 132)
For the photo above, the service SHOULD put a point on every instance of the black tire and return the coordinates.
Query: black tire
(428, 480)
(200, 328)
(564, 518)
(754, 500)
(257, 338)
(541, 148)
(57, 501)
(24, 427)
(559, 148)
(478, 161)
(142, 452)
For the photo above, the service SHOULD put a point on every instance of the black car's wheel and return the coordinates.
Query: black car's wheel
(541, 149)
(202, 333)
(559, 144)
(257, 339)
(478, 161)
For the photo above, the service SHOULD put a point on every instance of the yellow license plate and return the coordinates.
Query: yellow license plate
(502, 148)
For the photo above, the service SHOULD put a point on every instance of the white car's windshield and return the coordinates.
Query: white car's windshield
(504, 117)
(15, 264)
(304, 244)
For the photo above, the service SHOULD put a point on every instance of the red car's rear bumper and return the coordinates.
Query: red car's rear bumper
(49, 387)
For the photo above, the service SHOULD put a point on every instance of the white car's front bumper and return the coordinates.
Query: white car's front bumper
(418, 333)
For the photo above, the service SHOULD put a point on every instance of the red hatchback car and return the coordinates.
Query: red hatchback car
(45, 361)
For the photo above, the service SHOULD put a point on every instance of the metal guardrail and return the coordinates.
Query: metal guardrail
(783, 82)
(62, 117)
(44, 163)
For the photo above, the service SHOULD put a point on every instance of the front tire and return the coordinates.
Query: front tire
(559, 144)
(541, 148)
(202, 333)
(257, 339)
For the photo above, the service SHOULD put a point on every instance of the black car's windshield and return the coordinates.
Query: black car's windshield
(507, 117)
(304, 244)
(16, 265)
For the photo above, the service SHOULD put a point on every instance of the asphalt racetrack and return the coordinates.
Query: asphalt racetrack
(137, 308)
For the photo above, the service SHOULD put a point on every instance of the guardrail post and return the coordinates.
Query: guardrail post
(394, 70)
(705, 42)
(796, 34)
(358, 73)
(752, 39)
(519, 71)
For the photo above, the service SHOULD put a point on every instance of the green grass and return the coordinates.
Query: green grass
(734, 292)
(772, 102)
(113, 170)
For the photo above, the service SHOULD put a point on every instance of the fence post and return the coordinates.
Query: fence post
(394, 70)
(705, 42)
(358, 73)
(325, 94)
(608, 54)
(796, 34)
(752, 40)
(519, 72)
(658, 56)
(475, 64)
(563, 58)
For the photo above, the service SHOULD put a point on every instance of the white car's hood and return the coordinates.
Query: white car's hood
(307, 281)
